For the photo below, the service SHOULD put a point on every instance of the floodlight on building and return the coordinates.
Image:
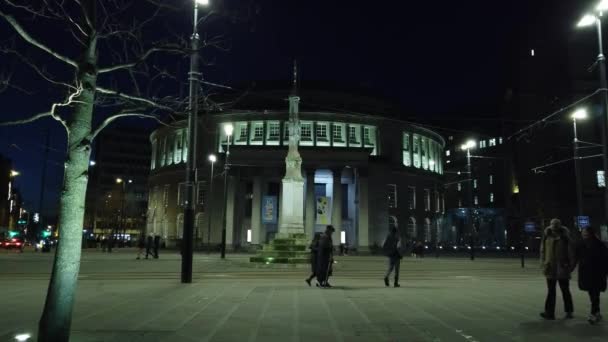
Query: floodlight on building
(118, 180)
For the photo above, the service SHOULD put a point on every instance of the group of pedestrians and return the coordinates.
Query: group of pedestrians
(322, 258)
(560, 254)
(151, 244)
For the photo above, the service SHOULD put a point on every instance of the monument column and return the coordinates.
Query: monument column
(256, 211)
(309, 221)
(363, 213)
(336, 205)
(230, 212)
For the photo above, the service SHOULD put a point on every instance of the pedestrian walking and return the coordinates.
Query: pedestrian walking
(156, 246)
(325, 257)
(141, 244)
(557, 263)
(149, 246)
(314, 250)
(592, 258)
(392, 249)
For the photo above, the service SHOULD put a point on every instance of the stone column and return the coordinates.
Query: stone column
(230, 213)
(363, 214)
(309, 221)
(336, 205)
(256, 211)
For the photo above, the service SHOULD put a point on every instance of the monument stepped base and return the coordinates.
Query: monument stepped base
(284, 249)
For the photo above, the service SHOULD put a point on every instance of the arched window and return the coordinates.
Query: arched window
(200, 233)
(180, 226)
(411, 228)
(392, 222)
(427, 229)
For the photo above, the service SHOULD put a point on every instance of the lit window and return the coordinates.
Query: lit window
(532, 52)
(201, 194)
(460, 203)
(354, 135)
(166, 195)
(459, 186)
(337, 133)
(482, 143)
(274, 133)
(491, 197)
(500, 140)
(427, 200)
(424, 152)
(447, 153)
(322, 133)
(411, 197)
(475, 183)
(154, 152)
(369, 138)
(177, 157)
(407, 157)
(492, 142)
(392, 195)
(241, 133)
(476, 200)
(601, 180)
(257, 133)
(491, 179)
(170, 142)
(416, 150)
(306, 131)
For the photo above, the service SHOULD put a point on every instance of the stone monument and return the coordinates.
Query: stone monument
(290, 245)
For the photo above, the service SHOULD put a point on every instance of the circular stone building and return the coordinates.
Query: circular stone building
(363, 174)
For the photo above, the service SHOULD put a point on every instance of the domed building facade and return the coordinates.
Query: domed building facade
(363, 174)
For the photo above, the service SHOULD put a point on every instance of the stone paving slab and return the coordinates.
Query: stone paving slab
(440, 301)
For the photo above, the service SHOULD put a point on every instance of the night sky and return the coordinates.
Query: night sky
(440, 60)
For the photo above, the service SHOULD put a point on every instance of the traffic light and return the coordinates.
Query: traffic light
(21, 222)
(46, 234)
(12, 233)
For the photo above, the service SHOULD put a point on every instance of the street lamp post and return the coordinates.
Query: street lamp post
(467, 147)
(212, 159)
(193, 77)
(123, 184)
(589, 20)
(228, 128)
(580, 114)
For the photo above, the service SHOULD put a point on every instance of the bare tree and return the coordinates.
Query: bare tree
(102, 71)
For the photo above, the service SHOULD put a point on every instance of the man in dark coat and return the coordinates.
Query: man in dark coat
(314, 250)
(592, 258)
(149, 245)
(325, 257)
(392, 249)
(557, 262)
(156, 246)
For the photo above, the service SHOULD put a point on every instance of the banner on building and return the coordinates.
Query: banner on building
(269, 209)
(323, 210)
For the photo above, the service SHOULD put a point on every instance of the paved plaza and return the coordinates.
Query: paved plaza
(441, 300)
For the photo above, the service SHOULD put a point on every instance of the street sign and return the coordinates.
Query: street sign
(582, 221)
(529, 227)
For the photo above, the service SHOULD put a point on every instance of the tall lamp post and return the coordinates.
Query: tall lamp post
(228, 129)
(588, 20)
(193, 77)
(580, 114)
(122, 204)
(467, 147)
(212, 159)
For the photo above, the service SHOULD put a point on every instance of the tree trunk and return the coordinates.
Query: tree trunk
(55, 323)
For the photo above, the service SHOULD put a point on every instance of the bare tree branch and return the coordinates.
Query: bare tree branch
(113, 118)
(40, 71)
(25, 35)
(133, 98)
(140, 59)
